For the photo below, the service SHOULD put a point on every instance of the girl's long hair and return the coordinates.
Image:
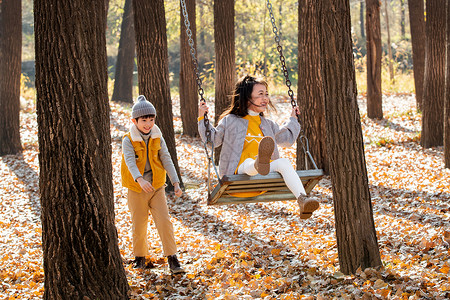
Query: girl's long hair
(241, 96)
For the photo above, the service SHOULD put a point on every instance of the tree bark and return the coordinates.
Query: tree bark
(417, 24)
(153, 67)
(373, 31)
(434, 80)
(10, 71)
(355, 229)
(225, 53)
(188, 84)
(310, 92)
(123, 77)
(80, 244)
(447, 96)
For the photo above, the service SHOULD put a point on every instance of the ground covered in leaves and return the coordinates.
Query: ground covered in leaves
(259, 250)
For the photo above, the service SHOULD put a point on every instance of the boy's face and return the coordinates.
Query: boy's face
(144, 124)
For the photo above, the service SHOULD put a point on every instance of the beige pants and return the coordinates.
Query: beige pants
(139, 205)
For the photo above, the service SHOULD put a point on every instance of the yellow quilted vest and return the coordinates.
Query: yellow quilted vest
(140, 149)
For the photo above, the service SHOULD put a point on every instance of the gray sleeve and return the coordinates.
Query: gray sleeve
(217, 133)
(288, 133)
(167, 162)
(130, 158)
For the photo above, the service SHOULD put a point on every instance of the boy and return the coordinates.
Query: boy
(145, 160)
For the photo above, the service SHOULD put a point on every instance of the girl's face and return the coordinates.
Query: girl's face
(144, 124)
(259, 98)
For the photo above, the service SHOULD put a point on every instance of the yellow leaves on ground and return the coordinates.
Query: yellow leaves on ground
(264, 250)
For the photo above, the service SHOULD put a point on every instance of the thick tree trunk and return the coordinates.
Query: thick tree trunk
(310, 86)
(447, 96)
(434, 81)
(123, 78)
(355, 228)
(10, 70)
(153, 66)
(225, 53)
(373, 31)
(417, 24)
(188, 84)
(80, 246)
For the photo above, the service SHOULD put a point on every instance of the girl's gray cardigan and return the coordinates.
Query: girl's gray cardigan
(230, 134)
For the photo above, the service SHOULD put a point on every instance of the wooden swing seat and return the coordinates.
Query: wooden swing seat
(272, 183)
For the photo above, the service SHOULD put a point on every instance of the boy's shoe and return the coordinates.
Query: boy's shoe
(307, 206)
(174, 264)
(139, 263)
(265, 150)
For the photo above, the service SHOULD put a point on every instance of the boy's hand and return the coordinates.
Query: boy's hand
(145, 185)
(177, 190)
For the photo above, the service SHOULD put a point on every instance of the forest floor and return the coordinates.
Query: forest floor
(259, 250)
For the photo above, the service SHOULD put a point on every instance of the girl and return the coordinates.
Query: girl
(248, 139)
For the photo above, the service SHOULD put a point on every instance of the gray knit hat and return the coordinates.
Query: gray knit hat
(142, 107)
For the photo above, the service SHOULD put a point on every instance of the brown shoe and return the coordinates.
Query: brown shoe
(265, 150)
(307, 206)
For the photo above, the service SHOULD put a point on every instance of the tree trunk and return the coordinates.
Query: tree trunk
(417, 24)
(355, 228)
(225, 53)
(447, 96)
(80, 245)
(310, 86)
(390, 59)
(373, 31)
(188, 84)
(153, 67)
(361, 19)
(123, 77)
(10, 71)
(402, 19)
(434, 81)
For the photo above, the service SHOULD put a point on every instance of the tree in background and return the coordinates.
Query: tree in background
(361, 18)
(188, 83)
(225, 54)
(153, 67)
(10, 71)
(123, 77)
(447, 96)
(434, 80)
(373, 32)
(310, 86)
(417, 24)
(355, 228)
(79, 238)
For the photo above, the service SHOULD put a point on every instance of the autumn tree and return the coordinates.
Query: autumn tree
(153, 66)
(10, 71)
(310, 86)
(417, 25)
(188, 83)
(123, 76)
(434, 80)
(79, 238)
(373, 32)
(447, 96)
(355, 228)
(225, 53)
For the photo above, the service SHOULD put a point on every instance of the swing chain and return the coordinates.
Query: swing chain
(302, 135)
(201, 92)
(280, 51)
